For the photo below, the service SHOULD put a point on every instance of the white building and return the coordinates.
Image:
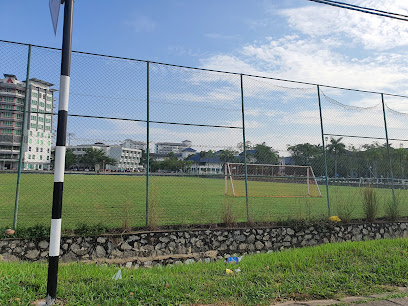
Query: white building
(175, 147)
(127, 159)
(129, 143)
(37, 143)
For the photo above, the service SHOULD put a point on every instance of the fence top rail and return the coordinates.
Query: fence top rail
(210, 70)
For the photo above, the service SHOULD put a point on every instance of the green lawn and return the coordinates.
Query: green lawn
(323, 272)
(120, 200)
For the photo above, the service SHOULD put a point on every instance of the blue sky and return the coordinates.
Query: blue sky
(291, 39)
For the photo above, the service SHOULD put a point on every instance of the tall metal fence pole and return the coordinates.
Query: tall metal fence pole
(23, 131)
(324, 151)
(147, 141)
(388, 151)
(245, 159)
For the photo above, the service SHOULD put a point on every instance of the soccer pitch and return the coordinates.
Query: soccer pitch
(119, 200)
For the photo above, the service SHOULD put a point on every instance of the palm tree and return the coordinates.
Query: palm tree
(337, 148)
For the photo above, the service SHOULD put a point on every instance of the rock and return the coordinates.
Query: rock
(101, 240)
(129, 265)
(290, 231)
(43, 244)
(32, 254)
(259, 245)
(100, 251)
(164, 239)
(251, 239)
(80, 251)
(125, 246)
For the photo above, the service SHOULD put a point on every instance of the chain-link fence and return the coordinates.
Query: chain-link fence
(151, 144)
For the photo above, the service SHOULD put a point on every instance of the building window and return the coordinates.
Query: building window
(48, 158)
(47, 127)
(49, 105)
(41, 149)
(33, 109)
(34, 94)
(33, 102)
(36, 149)
(7, 131)
(33, 156)
(42, 104)
(19, 116)
(29, 141)
(40, 157)
(33, 125)
(18, 124)
(47, 120)
(48, 150)
(33, 117)
(7, 123)
(29, 156)
(7, 115)
(29, 148)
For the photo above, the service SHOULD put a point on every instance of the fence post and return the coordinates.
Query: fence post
(22, 136)
(388, 151)
(147, 141)
(324, 151)
(245, 160)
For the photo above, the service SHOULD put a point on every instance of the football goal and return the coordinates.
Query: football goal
(271, 180)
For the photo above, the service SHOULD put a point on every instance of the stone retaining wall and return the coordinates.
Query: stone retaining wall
(149, 248)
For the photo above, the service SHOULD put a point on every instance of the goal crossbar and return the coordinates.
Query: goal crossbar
(272, 180)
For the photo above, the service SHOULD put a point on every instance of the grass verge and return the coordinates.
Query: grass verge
(327, 271)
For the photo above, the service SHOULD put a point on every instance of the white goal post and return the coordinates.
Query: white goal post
(265, 180)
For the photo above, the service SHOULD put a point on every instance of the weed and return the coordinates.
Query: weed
(342, 204)
(392, 208)
(370, 203)
(228, 217)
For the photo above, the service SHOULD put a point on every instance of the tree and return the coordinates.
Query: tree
(303, 154)
(337, 148)
(265, 155)
(94, 157)
(70, 159)
(227, 156)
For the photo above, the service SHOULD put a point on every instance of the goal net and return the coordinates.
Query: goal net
(271, 180)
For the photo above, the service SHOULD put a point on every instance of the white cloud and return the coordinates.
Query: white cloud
(372, 32)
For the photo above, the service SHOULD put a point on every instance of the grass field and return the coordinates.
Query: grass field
(300, 274)
(120, 201)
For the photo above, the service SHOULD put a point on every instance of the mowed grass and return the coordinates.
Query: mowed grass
(120, 200)
(323, 272)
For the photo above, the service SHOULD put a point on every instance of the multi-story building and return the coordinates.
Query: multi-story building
(127, 159)
(129, 143)
(38, 136)
(168, 147)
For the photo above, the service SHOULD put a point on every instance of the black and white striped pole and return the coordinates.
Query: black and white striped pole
(55, 235)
